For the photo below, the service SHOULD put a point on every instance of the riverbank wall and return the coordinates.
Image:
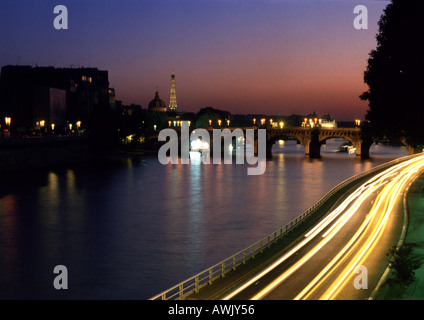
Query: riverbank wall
(40, 152)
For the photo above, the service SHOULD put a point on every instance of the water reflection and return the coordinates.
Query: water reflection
(9, 225)
(129, 229)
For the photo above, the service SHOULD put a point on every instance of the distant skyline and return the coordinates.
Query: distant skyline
(244, 56)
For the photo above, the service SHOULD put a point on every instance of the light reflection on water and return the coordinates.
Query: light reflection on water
(131, 229)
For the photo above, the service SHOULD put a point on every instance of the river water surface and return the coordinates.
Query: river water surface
(133, 228)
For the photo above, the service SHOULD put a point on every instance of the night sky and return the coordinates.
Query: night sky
(244, 56)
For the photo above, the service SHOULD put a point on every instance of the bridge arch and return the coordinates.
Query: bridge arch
(313, 138)
(274, 137)
(306, 136)
(353, 135)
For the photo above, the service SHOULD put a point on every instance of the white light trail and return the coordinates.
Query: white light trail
(350, 205)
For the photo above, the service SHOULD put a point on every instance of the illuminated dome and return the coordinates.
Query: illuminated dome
(157, 104)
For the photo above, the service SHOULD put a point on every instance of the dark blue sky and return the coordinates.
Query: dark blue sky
(245, 56)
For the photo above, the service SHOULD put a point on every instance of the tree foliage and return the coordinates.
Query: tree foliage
(395, 75)
(209, 113)
(404, 263)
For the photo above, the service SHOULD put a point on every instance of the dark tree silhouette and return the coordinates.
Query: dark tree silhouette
(395, 75)
(209, 113)
(404, 263)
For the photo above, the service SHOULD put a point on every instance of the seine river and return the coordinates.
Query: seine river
(133, 228)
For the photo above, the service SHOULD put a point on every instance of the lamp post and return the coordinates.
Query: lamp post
(7, 121)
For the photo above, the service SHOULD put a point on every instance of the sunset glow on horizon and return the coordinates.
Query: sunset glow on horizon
(272, 57)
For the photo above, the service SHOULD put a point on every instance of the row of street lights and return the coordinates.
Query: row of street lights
(219, 122)
(311, 122)
(42, 124)
(274, 124)
(178, 123)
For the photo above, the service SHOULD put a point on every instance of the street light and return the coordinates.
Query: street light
(228, 122)
(281, 124)
(8, 120)
(210, 122)
(219, 122)
(254, 121)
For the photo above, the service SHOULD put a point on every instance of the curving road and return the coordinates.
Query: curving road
(345, 255)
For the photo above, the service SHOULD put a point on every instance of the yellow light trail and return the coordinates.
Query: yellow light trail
(362, 193)
(326, 272)
(392, 193)
(307, 239)
(336, 262)
(312, 252)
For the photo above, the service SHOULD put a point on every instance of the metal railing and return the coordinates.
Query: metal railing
(208, 276)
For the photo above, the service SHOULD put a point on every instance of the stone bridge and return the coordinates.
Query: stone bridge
(313, 138)
(310, 138)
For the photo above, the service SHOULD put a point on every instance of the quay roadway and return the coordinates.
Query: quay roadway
(345, 254)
